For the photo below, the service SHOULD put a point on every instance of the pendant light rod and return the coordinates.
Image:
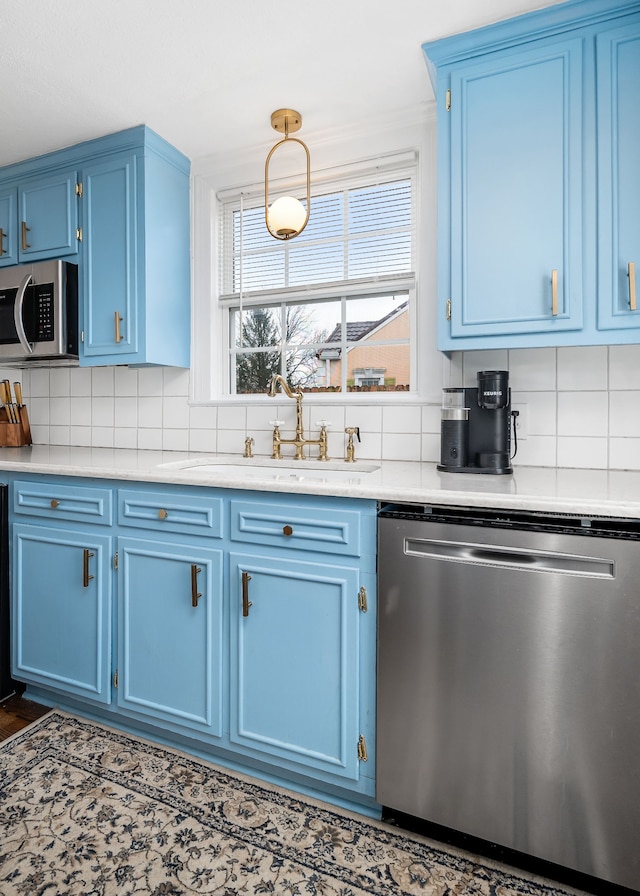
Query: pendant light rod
(287, 217)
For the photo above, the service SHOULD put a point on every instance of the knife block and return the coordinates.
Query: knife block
(14, 435)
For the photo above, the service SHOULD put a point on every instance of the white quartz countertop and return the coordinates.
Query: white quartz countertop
(555, 490)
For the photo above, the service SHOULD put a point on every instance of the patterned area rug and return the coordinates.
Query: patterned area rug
(91, 811)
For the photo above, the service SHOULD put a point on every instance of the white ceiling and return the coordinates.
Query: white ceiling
(206, 74)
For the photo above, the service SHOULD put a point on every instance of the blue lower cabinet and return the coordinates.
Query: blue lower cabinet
(295, 661)
(61, 623)
(170, 638)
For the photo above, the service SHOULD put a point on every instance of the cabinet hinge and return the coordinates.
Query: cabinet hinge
(448, 309)
(79, 190)
(447, 100)
(115, 560)
(362, 749)
(115, 679)
(362, 599)
(79, 234)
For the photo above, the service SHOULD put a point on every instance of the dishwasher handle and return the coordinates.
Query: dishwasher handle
(509, 558)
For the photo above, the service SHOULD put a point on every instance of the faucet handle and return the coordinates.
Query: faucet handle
(324, 424)
(276, 422)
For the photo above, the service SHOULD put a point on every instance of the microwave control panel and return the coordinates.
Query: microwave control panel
(43, 330)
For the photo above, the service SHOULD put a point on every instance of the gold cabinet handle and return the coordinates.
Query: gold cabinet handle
(2, 236)
(246, 603)
(287, 530)
(195, 594)
(631, 273)
(86, 556)
(554, 293)
(54, 503)
(162, 514)
(24, 230)
(117, 320)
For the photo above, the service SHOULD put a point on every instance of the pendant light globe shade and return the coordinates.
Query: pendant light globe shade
(287, 217)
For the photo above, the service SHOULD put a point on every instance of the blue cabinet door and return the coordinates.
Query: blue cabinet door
(8, 226)
(61, 610)
(170, 636)
(48, 213)
(516, 194)
(109, 261)
(295, 658)
(618, 79)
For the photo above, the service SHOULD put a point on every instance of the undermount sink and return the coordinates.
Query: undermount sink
(266, 468)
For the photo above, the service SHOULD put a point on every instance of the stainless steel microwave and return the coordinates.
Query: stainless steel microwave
(39, 312)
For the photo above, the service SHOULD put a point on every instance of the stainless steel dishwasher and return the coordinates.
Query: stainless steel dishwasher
(509, 681)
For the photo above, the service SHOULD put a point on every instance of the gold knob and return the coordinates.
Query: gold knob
(162, 514)
(287, 530)
(54, 503)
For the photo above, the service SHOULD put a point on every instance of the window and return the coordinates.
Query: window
(330, 309)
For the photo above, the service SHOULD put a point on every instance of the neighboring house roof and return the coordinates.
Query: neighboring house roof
(360, 328)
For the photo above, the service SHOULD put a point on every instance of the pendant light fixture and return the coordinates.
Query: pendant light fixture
(287, 216)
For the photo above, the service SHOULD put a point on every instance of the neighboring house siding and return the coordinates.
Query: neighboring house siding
(392, 359)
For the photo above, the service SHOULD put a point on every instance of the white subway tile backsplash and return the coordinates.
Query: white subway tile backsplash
(233, 417)
(532, 369)
(583, 414)
(175, 413)
(582, 406)
(102, 411)
(536, 451)
(624, 414)
(150, 439)
(624, 454)
(150, 414)
(59, 382)
(126, 412)
(583, 368)
(126, 382)
(401, 419)
(175, 440)
(401, 446)
(150, 382)
(584, 453)
(624, 366)
(102, 381)
(79, 382)
(125, 437)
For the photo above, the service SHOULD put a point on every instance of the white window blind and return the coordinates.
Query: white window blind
(361, 230)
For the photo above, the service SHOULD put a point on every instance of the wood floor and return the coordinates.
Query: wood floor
(16, 713)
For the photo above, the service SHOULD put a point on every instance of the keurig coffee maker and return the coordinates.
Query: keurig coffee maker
(476, 426)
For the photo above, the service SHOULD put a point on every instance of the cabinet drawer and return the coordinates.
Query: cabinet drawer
(55, 501)
(168, 512)
(313, 528)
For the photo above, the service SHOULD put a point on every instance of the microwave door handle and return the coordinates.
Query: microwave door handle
(17, 315)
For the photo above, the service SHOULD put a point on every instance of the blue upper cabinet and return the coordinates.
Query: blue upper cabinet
(135, 267)
(618, 67)
(537, 178)
(119, 206)
(39, 219)
(516, 199)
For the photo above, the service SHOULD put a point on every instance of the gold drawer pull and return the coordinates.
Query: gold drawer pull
(195, 594)
(554, 293)
(246, 603)
(86, 556)
(24, 231)
(117, 320)
(162, 514)
(2, 235)
(632, 285)
(287, 530)
(54, 503)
